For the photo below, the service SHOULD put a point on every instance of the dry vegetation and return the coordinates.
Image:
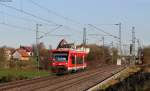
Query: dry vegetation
(147, 55)
(100, 55)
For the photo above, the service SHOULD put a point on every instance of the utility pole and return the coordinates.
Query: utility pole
(37, 43)
(139, 51)
(133, 44)
(103, 40)
(112, 44)
(120, 41)
(84, 37)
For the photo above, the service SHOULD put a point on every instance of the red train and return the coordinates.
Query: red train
(67, 60)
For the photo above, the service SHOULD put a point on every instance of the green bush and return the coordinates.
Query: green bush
(7, 75)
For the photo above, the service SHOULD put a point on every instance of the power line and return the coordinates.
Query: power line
(3, 15)
(94, 37)
(45, 34)
(104, 24)
(30, 14)
(84, 37)
(70, 28)
(60, 35)
(26, 19)
(97, 35)
(55, 13)
(27, 13)
(102, 31)
(18, 27)
(64, 26)
(22, 18)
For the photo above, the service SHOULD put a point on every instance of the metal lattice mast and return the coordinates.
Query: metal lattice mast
(84, 36)
(133, 44)
(37, 43)
(120, 40)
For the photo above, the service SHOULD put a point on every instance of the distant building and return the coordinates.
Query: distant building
(28, 49)
(7, 53)
(21, 54)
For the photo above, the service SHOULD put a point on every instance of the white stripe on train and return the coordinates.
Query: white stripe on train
(77, 68)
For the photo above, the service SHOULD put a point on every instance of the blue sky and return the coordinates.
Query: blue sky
(128, 12)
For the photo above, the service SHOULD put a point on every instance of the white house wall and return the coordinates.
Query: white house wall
(17, 55)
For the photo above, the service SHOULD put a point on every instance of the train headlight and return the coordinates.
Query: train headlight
(53, 63)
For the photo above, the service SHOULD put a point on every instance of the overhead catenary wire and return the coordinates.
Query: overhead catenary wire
(26, 19)
(3, 14)
(23, 18)
(21, 4)
(19, 27)
(55, 13)
(27, 13)
(94, 37)
(15, 26)
(60, 35)
(102, 31)
(30, 14)
(47, 33)
(25, 28)
(97, 35)
(58, 15)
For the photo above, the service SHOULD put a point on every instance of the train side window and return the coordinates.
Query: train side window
(79, 60)
(73, 59)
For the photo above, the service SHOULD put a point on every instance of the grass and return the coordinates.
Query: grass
(7, 75)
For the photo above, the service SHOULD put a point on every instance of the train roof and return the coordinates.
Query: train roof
(72, 51)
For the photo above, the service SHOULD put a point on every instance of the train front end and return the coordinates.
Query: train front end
(59, 61)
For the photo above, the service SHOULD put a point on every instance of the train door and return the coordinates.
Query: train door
(78, 61)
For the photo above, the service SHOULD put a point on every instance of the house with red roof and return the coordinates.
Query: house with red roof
(28, 49)
(21, 54)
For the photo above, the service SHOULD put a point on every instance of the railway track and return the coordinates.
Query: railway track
(69, 81)
(79, 81)
(76, 81)
(16, 84)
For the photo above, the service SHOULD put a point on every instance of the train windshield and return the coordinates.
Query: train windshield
(61, 57)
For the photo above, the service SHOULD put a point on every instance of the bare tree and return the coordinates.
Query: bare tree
(2, 58)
